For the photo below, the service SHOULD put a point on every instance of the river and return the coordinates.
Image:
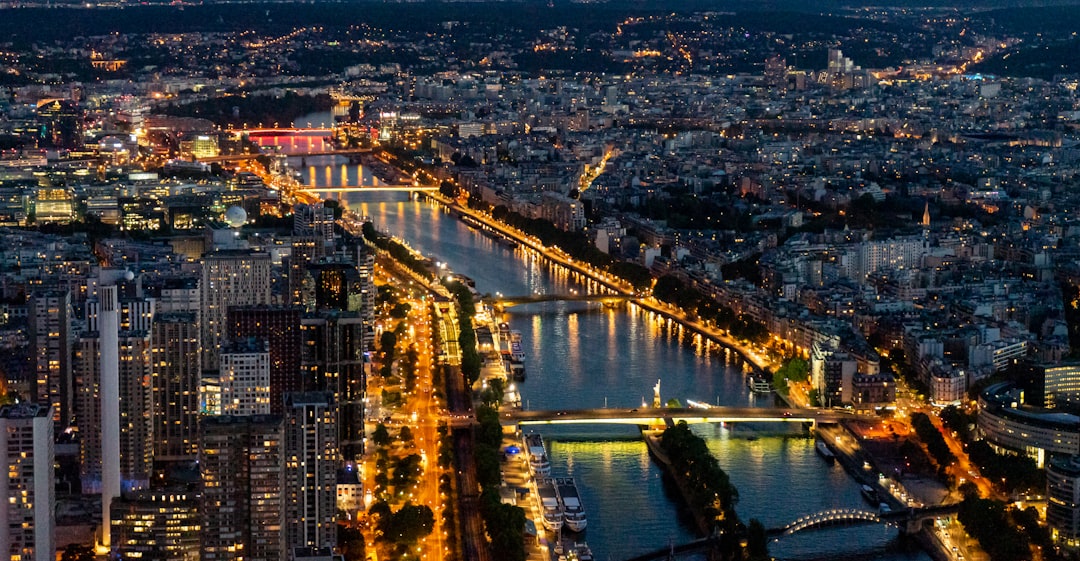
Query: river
(583, 355)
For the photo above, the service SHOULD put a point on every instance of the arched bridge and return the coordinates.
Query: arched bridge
(908, 520)
(508, 301)
(831, 517)
(664, 415)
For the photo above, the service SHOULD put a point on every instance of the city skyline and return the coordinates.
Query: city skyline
(352, 281)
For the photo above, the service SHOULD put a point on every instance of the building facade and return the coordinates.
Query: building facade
(49, 319)
(279, 326)
(229, 278)
(1063, 501)
(27, 511)
(312, 462)
(245, 378)
(161, 524)
(175, 376)
(241, 459)
(1009, 426)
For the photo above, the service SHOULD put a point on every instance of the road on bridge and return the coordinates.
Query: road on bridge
(690, 415)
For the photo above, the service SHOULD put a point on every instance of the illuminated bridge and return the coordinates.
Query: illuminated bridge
(384, 188)
(831, 517)
(662, 415)
(282, 131)
(908, 520)
(298, 154)
(608, 299)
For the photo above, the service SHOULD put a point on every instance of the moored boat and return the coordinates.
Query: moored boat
(516, 352)
(870, 495)
(538, 458)
(550, 504)
(824, 452)
(573, 510)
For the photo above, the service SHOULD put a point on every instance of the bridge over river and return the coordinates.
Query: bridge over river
(670, 415)
(907, 520)
(503, 302)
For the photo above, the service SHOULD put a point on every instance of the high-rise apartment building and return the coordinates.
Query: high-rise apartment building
(241, 459)
(312, 461)
(26, 511)
(136, 442)
(313, 240)
(230, 278)
(333, 361)
(175, 371)
(832, 372)
(162, 524)
(279, 326)
(177, 294)
(1063, 501)
(50, 338)
(245, 377)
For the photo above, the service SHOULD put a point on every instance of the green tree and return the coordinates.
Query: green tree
(351, 542)
(400, 310)
(406, 471)
(757, 541)
(795, 369)
(409, 524)
(380, 436)
(77, 552)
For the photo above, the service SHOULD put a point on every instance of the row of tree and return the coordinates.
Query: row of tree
(398, 251)
(505, 524)
(673, 290)
(931, 437)
(576, 245)
(1014, 473)
(406, 526)
(470, 357)
(710, 492)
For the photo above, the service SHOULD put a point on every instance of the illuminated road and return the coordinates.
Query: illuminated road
(426, 413)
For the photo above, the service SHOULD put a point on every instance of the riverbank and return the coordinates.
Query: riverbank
(862, 467)
(760, 364)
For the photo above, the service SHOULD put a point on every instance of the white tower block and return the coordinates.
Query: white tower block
(109, 336)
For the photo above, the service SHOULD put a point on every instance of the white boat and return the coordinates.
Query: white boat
(576, 552)
(573, 510)
(538, 458)
(517, 354)
(550, 505)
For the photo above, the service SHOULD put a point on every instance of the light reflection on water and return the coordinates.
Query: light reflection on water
(582, 355)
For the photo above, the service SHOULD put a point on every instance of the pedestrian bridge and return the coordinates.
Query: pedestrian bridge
(908, 520)
(831, 517)
(671, 415)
